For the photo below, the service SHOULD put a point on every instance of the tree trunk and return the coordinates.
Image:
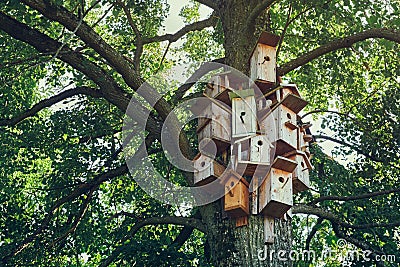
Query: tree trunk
(243, 246)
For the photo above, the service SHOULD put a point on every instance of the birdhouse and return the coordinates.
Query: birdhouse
(280, 126)
(206, 170)
(303, 140)
(244, 113)
(252, 152)
(263, 61)
(301, 176)
(275, 195)
(289, 95)
(236, 199)
(223, 83)
(214, 125)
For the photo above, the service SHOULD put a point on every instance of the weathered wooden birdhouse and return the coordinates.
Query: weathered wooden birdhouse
(303, 140)
(236, 199)
(252, 152)
(301, 175)
(276, 191)
(289, 95)
(280, 126)
(244, 113)
(263, 61)
(214, 125)
(223, 83)
(206, 170)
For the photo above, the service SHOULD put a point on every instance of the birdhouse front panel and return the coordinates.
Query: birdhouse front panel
(252, 153)
(206, 170)
(263, 64)
(215, 124)
(280, 126)
(301, 177)
(236, 199)
(244, 116)
(276, 193)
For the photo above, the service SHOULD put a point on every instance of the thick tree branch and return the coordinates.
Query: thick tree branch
(200, 72)
(110, 90)
(351, 198)
(192, 222)
(196, 26)
(263, 5)
(351, 146)
(305, 209)
(49, 102)
(210, 3)
(385, 33)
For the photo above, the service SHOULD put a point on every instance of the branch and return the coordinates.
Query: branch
(110, 90)
(351, 198)
(78, 191)
(49, 102)
(314, 230)
(352, 146)
(200, 72)
(385, 33)
(360, 244)
(305, 209)
(196, 26)
(192, 222)
(257, 11)
(210, 3)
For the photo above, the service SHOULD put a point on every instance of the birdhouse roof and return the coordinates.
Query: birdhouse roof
(268, 38)
(284, 164)
(302, 154)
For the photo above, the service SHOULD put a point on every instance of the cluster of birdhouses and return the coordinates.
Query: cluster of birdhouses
(260, 131)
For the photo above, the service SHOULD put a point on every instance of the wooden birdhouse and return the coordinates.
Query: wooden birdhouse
(276, 191)
(280, 126)
(289, 95)
(206, 170)
(263, 61)
(236, 199)
(251, 153)
(223, 83)
(244, 113)
(214, 125)
(303, 140)
(301, 176)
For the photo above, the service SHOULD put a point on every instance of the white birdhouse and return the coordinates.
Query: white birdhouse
(252, 153)
(280, 126)
(206, 170)
(214, 123)
(276, 191)
(289, 95)
(301, 176)
(244, 115)
(263, 61)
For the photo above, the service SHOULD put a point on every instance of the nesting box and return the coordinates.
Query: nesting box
(251, 153)
(214, 123)
(263, 61)
(303, 141)
(223, 83)
(244, 114)
(300, 176)
(280, 126)
(206, 170)
(236, 199)
(289, 95)
(275, 195)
